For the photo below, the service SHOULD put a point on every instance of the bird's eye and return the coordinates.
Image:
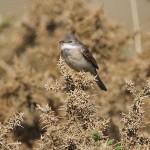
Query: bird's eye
(70, 41)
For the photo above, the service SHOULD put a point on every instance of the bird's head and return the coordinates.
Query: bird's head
(69, 41)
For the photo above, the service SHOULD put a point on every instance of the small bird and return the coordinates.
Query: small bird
(78, 57)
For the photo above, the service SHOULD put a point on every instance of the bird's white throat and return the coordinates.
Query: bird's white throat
(68, 46)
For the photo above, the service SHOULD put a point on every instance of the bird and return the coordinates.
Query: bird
(79, 58)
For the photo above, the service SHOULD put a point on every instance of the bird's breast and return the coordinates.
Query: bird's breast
(75, 59)
(71, 53)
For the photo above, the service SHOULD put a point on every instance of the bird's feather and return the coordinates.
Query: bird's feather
(88, 56)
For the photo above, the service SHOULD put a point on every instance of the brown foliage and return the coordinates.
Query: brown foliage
(28, 56)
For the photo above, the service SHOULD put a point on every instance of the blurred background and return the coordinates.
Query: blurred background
(115, 31)
(119, 10)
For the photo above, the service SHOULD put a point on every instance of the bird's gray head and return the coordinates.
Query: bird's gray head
(69, 41)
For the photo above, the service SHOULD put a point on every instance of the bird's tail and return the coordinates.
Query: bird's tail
(99, 82)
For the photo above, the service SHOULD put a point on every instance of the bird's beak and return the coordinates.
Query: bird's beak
(61, 42)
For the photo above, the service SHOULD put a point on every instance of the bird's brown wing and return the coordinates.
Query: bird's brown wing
(88, 56)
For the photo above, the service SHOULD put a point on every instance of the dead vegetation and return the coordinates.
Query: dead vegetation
(72, 111)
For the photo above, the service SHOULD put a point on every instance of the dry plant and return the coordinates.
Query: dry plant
(21, 93)
(34, 41)
(133, 121)
(79, 127)
(6, 142)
